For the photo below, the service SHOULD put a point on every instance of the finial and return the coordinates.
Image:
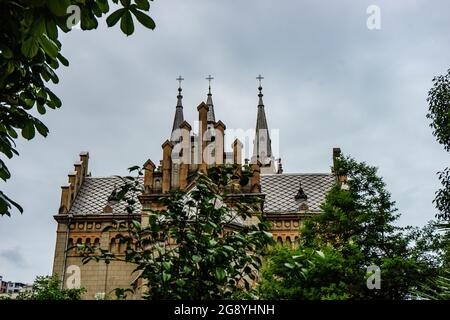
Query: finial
(259, 78)
(209, 78)
(179, 103)
(260, 95)
(179, 79)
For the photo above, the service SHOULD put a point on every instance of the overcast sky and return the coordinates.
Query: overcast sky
(329, 81)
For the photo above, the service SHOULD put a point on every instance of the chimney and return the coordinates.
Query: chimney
(167, 147)
(336, 154)
(186, 153)
(149, 168)
(342, 180)
(219, 141)
(203, 125)
(84, 158)
(255, 181)
(237, 151)
(65, 199)
(75, 179)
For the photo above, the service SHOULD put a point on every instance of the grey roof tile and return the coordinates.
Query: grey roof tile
(93, 196)
(280, 190)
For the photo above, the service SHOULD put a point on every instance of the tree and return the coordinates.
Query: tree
(204, 244)
(30, 53)
(355, 230)
(306, 274)
(49, 288)
(439, 114)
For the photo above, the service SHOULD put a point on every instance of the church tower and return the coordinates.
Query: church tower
(262, 145)
(179, 117)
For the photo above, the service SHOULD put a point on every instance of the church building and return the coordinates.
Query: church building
(88, 205)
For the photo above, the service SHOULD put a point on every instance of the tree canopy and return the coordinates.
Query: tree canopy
(439, 114)
(354, 234)
(30, 54)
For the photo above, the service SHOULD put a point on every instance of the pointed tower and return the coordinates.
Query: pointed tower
(210, 117)
(179, 118)
(262, 145)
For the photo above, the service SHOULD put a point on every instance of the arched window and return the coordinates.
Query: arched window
(280, 240)
(88, 242)
(112, 246)
(79, 241)
(96, 243)
(288, 241)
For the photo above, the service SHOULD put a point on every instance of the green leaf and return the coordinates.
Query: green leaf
(41, 128)
(5, 202)
(30, 47)
(144, 19)
(63, 60)
(166, 276)
(52, 29)
(320, 254)
(126, 23)
(220, 274)
(28, 131)
(103, 5)
(114, 17)
(143, 4)
(4, 172)
(49, 46)
(41, 108)
(54, 101)
(288, 265)
(58, 7)
(196, 258)
(268, 235)
(166, 265)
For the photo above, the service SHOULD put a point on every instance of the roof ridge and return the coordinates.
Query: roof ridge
(110, 177)
(297, 174)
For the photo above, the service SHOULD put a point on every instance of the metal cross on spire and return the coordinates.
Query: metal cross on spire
(209, 78)
(179, 79)
(259, 78)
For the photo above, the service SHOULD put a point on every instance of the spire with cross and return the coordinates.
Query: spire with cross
(179, 117)
(262, 147)
(210, 116)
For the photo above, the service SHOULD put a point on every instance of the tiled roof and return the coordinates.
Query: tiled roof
(280, 190)
(93, 196)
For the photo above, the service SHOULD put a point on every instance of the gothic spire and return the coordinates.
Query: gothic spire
(262, 148)
(211, 118)
(179, 118)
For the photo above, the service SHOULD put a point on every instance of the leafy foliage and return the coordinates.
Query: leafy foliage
(439, 114)
(437, 287)
(49, 288)
(203, 244)
(306, 274)
(30, 54)
(354, 230)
